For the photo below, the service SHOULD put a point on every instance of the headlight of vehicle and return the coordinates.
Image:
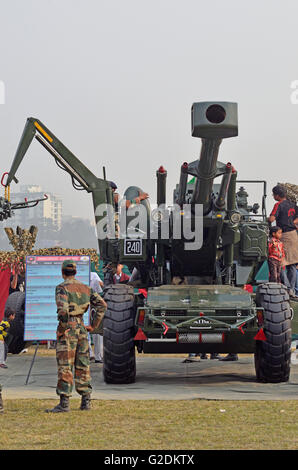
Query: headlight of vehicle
(157, 215)
(235, 217)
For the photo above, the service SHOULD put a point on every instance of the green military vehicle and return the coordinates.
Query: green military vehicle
(207, 299)
(194, 286)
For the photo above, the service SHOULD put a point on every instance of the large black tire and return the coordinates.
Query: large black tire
(119, 360)
(272, 357)
(16, 343)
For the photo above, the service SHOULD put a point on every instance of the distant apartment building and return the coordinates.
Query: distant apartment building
(54, 229)
(45, 212)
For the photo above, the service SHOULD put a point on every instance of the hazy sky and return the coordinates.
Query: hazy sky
(115, 81)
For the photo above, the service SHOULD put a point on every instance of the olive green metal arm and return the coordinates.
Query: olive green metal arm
(69, 162)
(82, 177)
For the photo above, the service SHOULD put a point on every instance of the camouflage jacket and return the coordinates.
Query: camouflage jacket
(73, 298)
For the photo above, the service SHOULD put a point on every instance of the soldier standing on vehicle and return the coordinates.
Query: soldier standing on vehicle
(73, 299)
(126, 203)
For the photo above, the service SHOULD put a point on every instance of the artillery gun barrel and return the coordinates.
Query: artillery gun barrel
(206, 171)
(212, 122)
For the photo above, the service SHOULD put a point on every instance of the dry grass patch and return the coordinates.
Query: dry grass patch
(172, 425)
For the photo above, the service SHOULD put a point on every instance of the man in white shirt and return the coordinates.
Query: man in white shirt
(96, 284)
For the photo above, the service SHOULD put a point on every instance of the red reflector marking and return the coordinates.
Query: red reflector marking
(140, 335)
(248, 288)
(240, 328)
(144, 292)
(260, 318)
(260, 336)
(141, 317)
(166, 328)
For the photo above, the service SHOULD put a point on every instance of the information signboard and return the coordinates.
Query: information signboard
(43, 274)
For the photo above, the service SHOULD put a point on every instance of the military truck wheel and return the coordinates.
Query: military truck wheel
(16, 343)
(119, 362)
(272, 357)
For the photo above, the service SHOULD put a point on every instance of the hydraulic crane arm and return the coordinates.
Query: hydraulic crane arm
(63, 156)
(82, 177)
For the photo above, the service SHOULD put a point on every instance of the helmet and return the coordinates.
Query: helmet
(113, 185)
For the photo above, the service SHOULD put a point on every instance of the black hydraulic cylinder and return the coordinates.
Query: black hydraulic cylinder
(182, 184)
(220, 202)
(161, 175)
(231, 196)
(231, 205)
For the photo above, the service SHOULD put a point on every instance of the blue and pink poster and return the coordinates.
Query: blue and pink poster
(43, 274)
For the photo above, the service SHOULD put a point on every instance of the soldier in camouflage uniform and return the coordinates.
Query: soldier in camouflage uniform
(73, 299)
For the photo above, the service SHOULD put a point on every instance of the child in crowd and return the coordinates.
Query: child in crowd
(276, 254)
(9, 316)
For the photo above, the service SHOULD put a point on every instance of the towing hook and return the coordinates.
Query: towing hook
(6, 173)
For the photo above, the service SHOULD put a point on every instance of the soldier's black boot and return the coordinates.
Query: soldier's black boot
(1, 403)
(230, 357)
(86, 402)
(214, 356)
(62, 407)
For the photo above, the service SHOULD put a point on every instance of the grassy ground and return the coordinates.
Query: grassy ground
(152, 425)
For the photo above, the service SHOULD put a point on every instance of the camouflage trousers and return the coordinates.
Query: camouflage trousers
(72, 353)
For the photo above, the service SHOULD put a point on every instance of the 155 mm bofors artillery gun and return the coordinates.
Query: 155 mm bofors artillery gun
(193, 287)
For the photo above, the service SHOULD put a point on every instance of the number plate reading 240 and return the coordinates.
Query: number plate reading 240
(132, 247)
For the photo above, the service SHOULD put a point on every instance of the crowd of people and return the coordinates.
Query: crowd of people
(283, 244)
(282, 252)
